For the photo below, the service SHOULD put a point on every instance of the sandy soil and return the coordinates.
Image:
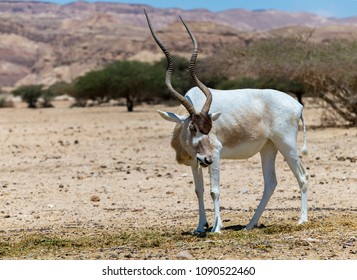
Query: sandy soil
(68, 168)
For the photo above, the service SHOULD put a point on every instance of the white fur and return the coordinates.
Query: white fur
(245, 122)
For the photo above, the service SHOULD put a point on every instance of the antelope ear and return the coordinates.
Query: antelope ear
(215, 116)
(172, 117)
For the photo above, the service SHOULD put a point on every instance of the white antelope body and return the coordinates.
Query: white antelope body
(234, 124)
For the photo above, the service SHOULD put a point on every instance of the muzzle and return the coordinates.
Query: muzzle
(204, 161)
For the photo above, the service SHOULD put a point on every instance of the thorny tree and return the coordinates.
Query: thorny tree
(328, 69)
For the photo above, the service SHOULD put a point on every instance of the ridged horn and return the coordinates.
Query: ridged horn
(169, 70)
(192, 68)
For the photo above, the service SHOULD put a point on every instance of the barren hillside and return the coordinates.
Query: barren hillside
(44, 42)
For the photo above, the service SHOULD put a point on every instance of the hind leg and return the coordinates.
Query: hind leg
(303, 179)
(290, 154)
(268, 156)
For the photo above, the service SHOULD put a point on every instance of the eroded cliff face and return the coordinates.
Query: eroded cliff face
(45, 42)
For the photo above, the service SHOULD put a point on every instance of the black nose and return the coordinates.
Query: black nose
(206, 161)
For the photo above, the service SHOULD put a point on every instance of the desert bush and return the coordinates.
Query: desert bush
(132, 80)
(6, 102)
(94, 85)
(62, 88)
(46, 98)
(332, 74)
(325, 70)
(135, 81)
(31, 94)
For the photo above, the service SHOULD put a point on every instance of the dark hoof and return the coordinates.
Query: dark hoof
(200, 234)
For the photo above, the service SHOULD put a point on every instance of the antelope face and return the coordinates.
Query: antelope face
(197, 144)
(195, 135)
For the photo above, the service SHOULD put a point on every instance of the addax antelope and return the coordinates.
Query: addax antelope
(234, 124)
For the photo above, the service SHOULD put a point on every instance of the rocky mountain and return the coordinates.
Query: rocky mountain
(44, 42)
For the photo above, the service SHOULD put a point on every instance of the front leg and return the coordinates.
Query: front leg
(214, 171)
(199, 189)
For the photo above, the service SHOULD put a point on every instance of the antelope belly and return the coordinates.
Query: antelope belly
(243, 150)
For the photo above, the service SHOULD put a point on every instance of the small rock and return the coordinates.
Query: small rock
(128, 256)
(244, 191)
(184, 255)
(311, 240)
(113, 256)
(95, 198)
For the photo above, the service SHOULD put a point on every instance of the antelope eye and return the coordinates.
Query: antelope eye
(192, 128)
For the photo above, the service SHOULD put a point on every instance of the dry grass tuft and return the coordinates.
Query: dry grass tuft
(331, 237)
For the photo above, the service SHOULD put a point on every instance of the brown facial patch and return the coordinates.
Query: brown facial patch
(203, 122)
(182, 156)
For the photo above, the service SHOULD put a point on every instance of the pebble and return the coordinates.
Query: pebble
(184, 255)
(95, 198)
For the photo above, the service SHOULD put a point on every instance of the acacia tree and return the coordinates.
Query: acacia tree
(31, 93)
(332, 74)
(134, 81)
(63, 88)
(94, 85)
(327, 70)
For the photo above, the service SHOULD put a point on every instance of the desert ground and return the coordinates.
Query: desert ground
(102, 183)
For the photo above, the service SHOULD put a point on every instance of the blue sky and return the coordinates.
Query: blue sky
(329, 8)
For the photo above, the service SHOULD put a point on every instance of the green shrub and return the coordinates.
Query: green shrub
(31, 94)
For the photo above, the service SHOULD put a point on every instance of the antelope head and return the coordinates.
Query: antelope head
(196, 127)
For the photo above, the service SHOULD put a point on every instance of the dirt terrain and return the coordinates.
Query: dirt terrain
(73, 178)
